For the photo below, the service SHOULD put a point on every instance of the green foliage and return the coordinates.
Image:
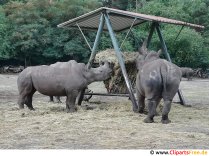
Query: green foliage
(4, 39)
(187, 50)
(29, 33)
(34, 36)
(191, 48)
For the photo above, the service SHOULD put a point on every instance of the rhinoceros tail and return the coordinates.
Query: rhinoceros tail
(164, 77)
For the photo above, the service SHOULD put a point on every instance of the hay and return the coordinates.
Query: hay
(116, 83)
(109, 125)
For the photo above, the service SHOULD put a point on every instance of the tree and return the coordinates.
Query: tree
(5, 47)
(34, 33)
(191, 47)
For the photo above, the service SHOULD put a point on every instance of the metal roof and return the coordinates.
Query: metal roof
(120, 20)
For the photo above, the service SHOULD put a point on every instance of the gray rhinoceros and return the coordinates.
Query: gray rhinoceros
(65, 65)
(156, 79)
(187, 73)
(58, 82)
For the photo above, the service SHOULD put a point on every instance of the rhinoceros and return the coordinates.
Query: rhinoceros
(58, 82)
(65, 65)
(156, 79)
(187, 73)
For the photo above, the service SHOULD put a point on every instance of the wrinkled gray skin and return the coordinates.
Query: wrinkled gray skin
(187, 73)
(156, 79)
(58, 82)
(65, 65)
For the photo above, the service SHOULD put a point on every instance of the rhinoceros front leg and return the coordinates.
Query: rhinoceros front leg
(51, 99)
(166, 110)
(58, 99)
(70, 102)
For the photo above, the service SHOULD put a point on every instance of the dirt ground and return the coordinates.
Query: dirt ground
(103, 123)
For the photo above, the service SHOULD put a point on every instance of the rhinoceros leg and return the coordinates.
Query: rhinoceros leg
(166, 110)
(25, 97)
(141, 103)
(51, 99)
(140, 99)
(29, 101)
(21, 102)
(70, 102)
(152, 105)
(58, 99)
(151, 111)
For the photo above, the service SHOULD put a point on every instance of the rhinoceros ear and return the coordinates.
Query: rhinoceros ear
(159, 52)
(107, 63)
(143, 48)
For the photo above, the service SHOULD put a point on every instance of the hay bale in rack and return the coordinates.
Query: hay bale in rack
(116, 84)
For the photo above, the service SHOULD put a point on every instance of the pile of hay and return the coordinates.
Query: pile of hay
(116, 84)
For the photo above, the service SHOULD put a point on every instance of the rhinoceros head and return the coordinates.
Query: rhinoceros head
(146, 56)
(100, 73)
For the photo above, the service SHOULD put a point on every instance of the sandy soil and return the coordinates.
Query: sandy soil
(103, 123)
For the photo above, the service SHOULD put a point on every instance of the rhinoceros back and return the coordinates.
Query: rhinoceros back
(55, 81)
(159, 78)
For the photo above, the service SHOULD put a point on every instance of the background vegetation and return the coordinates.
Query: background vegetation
(29, 33)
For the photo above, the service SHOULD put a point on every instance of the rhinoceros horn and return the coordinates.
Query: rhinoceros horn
(143, 48)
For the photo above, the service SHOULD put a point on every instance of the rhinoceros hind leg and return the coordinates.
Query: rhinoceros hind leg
(166, 110)
(29, 99)
(165, 121)
(152, 104)
(71, 109)
(141, 103)
(148, 120)
(21, 102)
(29, 102)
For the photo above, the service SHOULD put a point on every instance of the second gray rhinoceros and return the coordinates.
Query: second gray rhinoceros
(187, 73)
(58, 82)
(156, 79)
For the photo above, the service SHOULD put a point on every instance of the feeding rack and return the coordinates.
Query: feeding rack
(114, 20)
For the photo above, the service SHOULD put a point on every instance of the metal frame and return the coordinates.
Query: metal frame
(121, 62)
(104, 19)
(93, 53)
(165, 50)
(121, 13)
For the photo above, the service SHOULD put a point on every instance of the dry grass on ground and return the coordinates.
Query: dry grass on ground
(104, 123)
